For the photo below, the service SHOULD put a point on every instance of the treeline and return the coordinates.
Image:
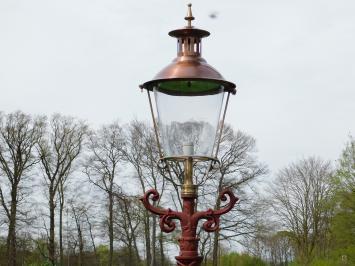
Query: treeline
(69, 193)
(310, 218)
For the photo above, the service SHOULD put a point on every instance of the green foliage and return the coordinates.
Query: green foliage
(340, 257)
(346, 170)
(234, 258)
(36, 256)
(344, 256)
(103, 254)
(39, 264)
(342, 249)
(343, 221)
(3, 260)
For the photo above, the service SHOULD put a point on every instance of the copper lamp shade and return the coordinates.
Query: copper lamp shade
(189, 73)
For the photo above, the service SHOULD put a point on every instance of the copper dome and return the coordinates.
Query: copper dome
(189, 66)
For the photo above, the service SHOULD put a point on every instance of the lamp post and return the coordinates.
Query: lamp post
(189, 96)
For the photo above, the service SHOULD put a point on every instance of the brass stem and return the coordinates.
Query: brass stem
(188, 188)
(188, 171)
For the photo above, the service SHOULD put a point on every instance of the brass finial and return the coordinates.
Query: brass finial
(189, 17)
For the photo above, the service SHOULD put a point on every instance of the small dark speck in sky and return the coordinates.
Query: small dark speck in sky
(213, 15)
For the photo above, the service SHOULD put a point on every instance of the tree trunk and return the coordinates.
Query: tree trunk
(97, 261)
(130, 250)
(147, 239)
(215, 250)
(136, 250)
(81, 245)
(51, 244)
(11, 238)
(133, 238)
(61, 201)
(161, 244)
(154, 239)
(110, 225)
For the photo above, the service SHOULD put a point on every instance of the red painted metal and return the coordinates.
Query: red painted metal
(189, 219)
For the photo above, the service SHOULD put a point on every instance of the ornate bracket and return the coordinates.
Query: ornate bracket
(212, 216)
(167, 215)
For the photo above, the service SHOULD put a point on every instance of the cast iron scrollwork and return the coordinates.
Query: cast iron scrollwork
(167, 215)
(166, 223)
(212, 216)
(212, 222)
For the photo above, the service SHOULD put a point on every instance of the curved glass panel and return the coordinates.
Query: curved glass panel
(186, 121)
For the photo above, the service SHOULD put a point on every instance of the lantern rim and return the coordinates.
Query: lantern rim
(195, 158)
(226, 86)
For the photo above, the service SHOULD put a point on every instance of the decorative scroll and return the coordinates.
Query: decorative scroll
(189, 220)
(166, 223)
(150, 207)
(167, 215)
(232, 201)
(212, 216)
(212, 223)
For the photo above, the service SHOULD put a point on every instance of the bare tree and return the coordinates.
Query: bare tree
(102, 168)
(91, 234)
(78, 214)
(128, 223)
(274, 247)
(238, 168)
(81, 225)
(299, 197)
(142, 154)
(61, 198)
(19, 133)
(58, 150)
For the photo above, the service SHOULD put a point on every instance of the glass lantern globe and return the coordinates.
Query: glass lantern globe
(188, 117)
(188, 99)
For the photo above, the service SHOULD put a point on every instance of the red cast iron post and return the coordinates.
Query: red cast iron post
(188, 240)
(188, 217)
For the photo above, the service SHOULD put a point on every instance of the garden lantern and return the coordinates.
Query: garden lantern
(189, 96)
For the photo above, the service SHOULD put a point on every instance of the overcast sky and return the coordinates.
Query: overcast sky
(293, 63)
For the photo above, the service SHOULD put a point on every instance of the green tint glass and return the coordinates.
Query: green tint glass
(189, 87)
